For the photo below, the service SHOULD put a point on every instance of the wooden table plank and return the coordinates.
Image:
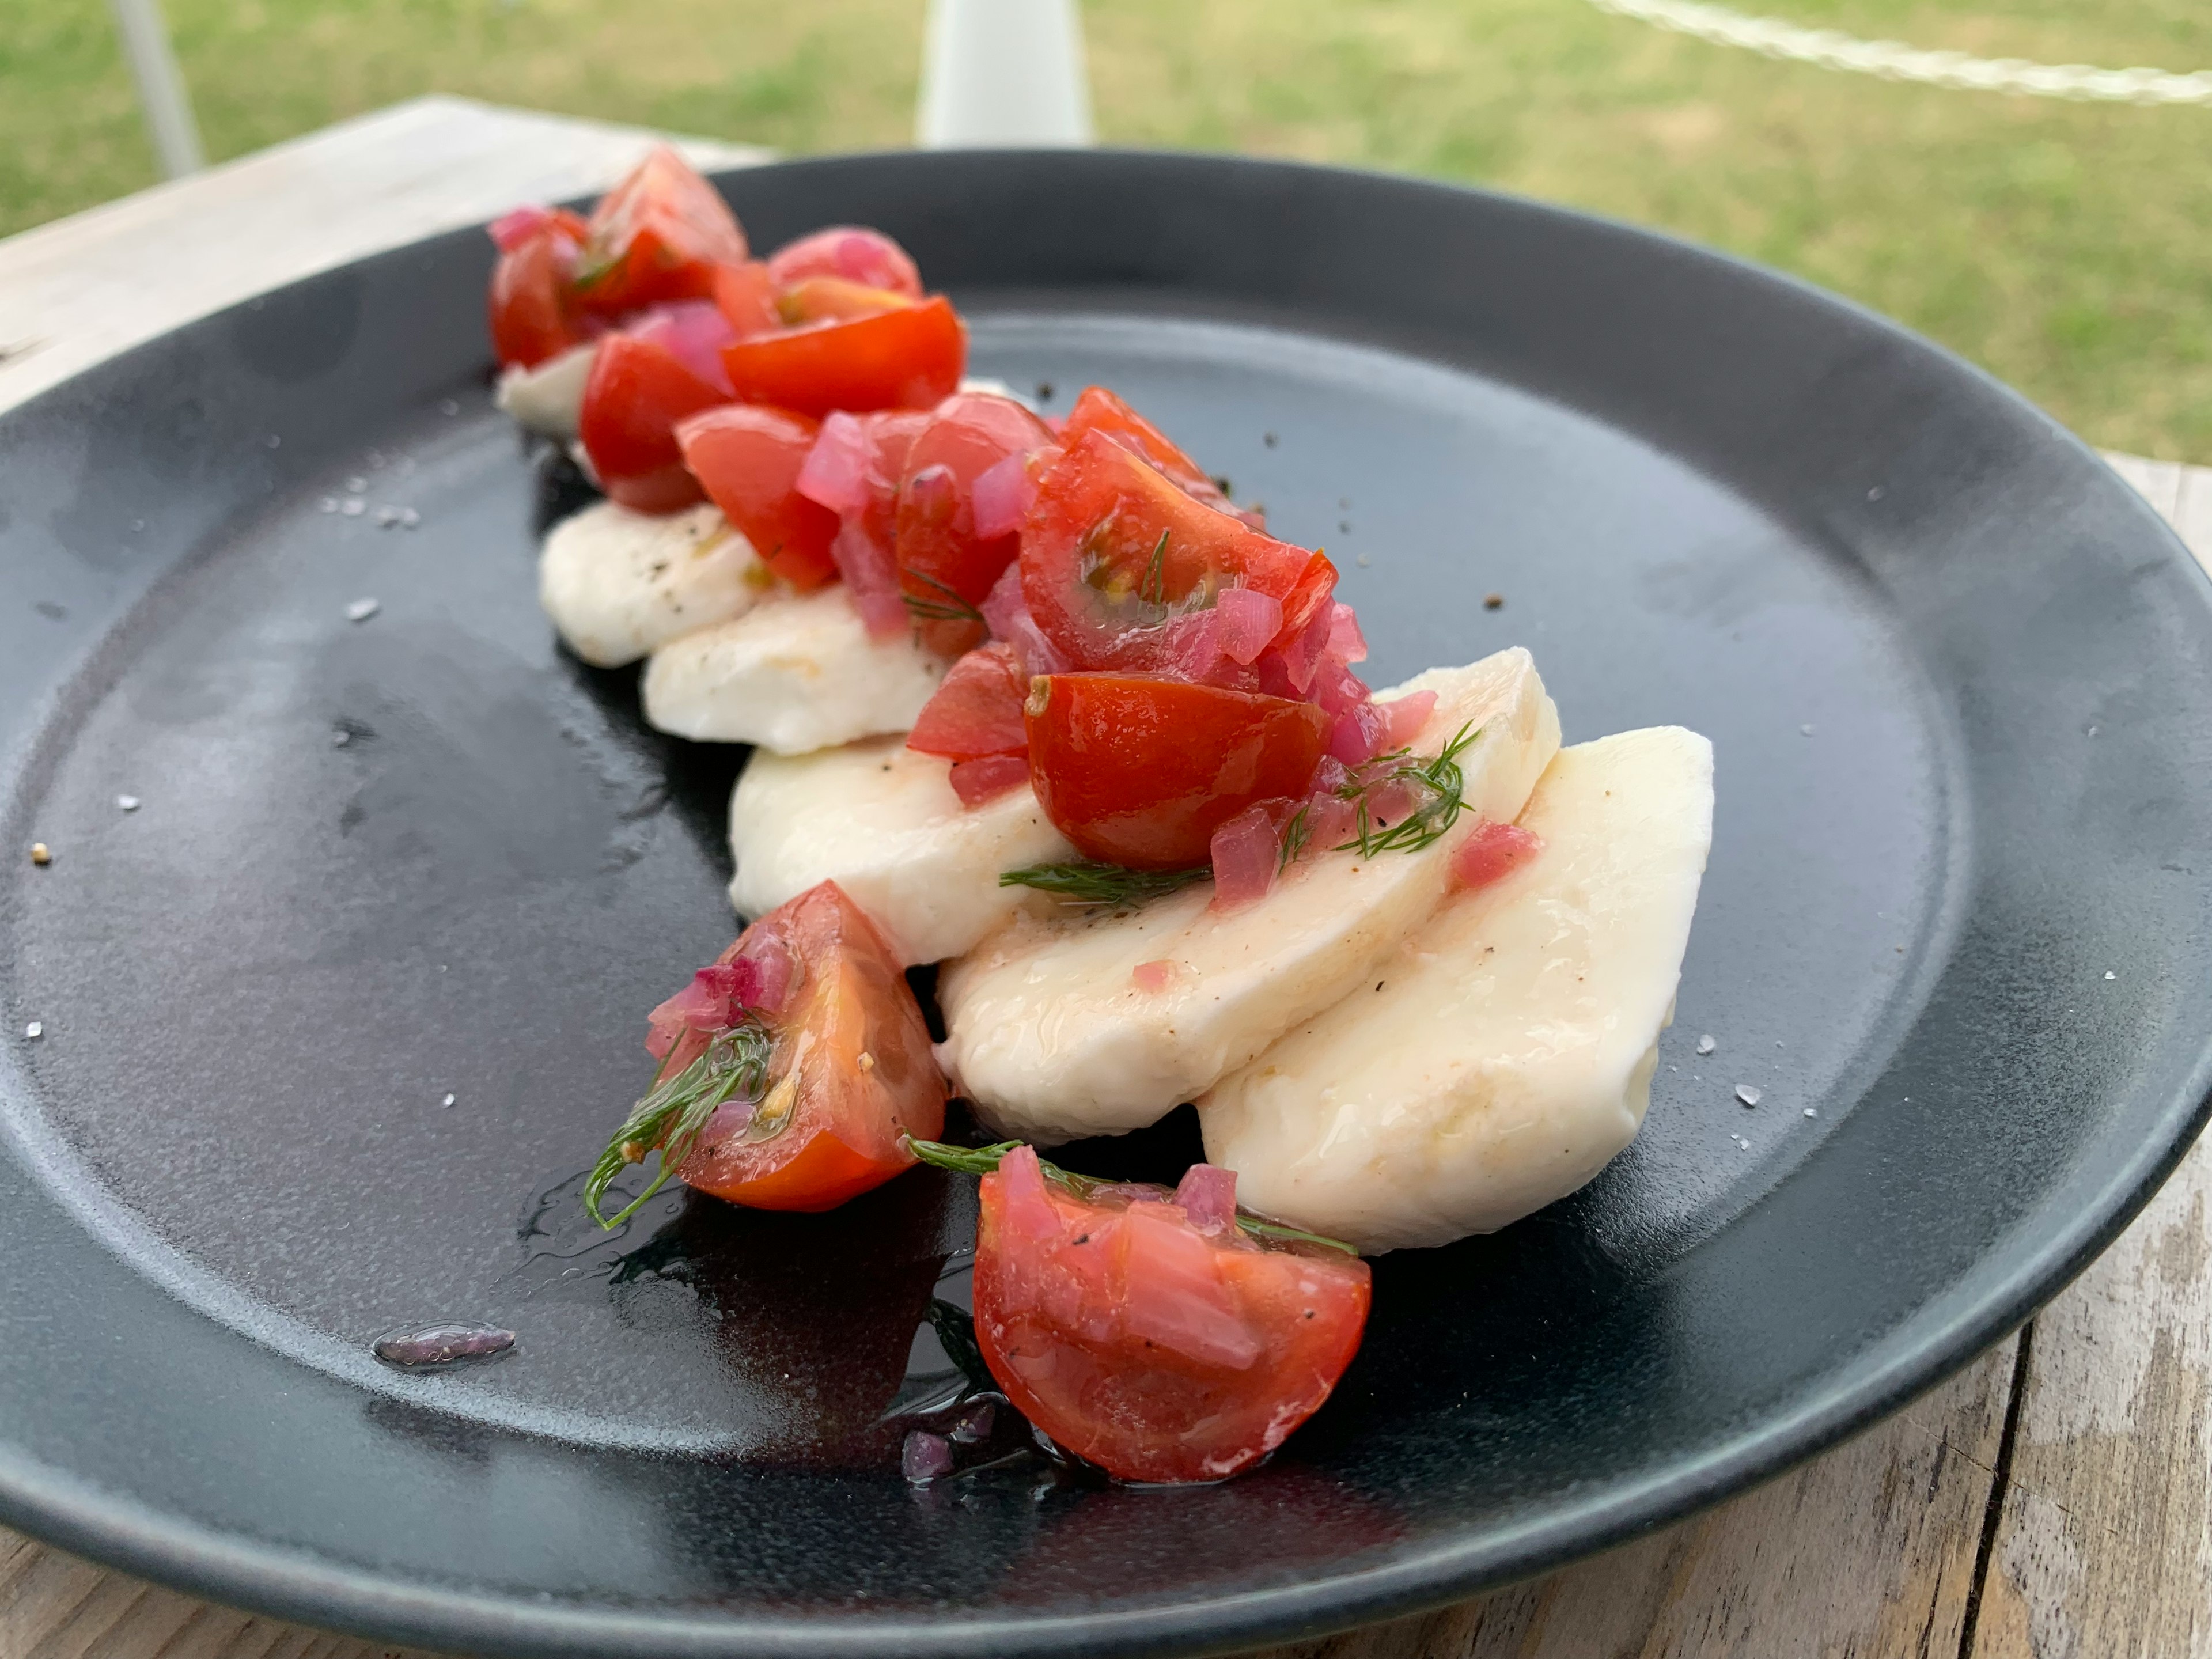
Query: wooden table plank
(2097, 1541)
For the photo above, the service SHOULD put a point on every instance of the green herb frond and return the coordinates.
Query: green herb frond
(1155, 588)
(1297, 830)
(677, 1108)
(1440, 796)
(1089, 882)
(950, 608)
(982, 1160)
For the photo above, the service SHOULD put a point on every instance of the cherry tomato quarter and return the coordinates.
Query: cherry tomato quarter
(1158, 1349)
(747, 458)
(533, 315)
(1097, 410)
(745, 295)
(849, 251)
(946, 569)
(1141, 771)
(977, 709)
(658, 235)
(910, 358)
(637, 392)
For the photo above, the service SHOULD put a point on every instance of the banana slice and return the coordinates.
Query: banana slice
(1508, 1052)
(1053, 1033)
(798, 672)
(548, 398)
(618, 583)
(883, 823)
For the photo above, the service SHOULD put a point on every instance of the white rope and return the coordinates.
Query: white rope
(1894, 61)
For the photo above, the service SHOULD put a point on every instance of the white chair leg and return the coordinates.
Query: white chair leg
(1003, 73)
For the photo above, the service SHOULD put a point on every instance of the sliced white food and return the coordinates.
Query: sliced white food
(1503, 1053)
(796, 673)
(548, 397)
(618, 583)
(883, 823)
(1067, 1025)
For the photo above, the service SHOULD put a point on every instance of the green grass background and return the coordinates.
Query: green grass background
(2066, 247)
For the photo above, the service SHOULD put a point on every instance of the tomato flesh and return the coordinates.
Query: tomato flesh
(945, 565)
(1155, 1349)
(852, 1072)
(1114, 554)
(1097, 410)
(745, 295)
(532, 315)
(834, 300)
(638, 389)
(977, 709)
(1141, 771)
(850, 251)
(909, 358)
(658, 235)
(747, 458)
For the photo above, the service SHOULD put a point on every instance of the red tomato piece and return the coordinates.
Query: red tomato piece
(945, 568)
(977, 709)
(533, 316)
(747, 458)
(745, 295)
(1141, 772)
(658, 235)
(1097, 410)
(638, 391)
(834, 300)
(850, 1073)
(988, 777)
(910, 358)
(1114, 554)
(856, 254)
(1149, 1335)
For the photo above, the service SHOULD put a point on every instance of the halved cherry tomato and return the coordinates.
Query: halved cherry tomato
(858, 255)
(944, 567)
(852, 1071)
(1112, 552)
(745, 295)
(638, 391)
(746, 457)
(656, 236)
(532, 315)
(1143, 1331)
(834, 300)
(1097, 410)
(977, 709)
(1141, 772)
(905, 359)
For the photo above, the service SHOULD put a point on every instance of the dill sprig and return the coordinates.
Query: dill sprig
(983, 1160)
(677, 1108)
(1089, 882)
(950, 608)
(1154, 590)
(1440, 796)
(1297, 830)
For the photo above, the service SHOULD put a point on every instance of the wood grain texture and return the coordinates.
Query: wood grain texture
(2099, 1542)
(85, 288)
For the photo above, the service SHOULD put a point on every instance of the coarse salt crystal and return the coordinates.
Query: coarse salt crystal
(1705, 1044)
(35, 1028)
(447, 1101)
(353, 506)
(128, 803)
(362, 610)
(1747, 1093)
(1809, 1112)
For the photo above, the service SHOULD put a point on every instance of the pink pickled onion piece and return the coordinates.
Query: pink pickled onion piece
(1006, 612)
(924, 1456)
(1153, 975)
(1354, 738)
(1303, 652)
(1193, 646)
(1005, 491)
(1403, 718)
(1389, 804)
(1207, 1194)
(699, 1007)
(1346, 642)
(693, 331)
(835, 474)
(978, 781)
(730, 1118)
(1025, 1209)
(510, 230)
(1245, 621)
(1330, 821)
(872, 577)
(934, 493)
(1245, 854)
(858, 255)
(1493, 853)
(766, 960)
(1337, 689)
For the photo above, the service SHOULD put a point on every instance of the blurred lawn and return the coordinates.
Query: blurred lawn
(2067, 247)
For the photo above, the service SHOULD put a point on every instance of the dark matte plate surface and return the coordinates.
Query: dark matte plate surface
(1960, 906)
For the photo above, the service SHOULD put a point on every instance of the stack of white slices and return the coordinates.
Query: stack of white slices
(1380, 1055)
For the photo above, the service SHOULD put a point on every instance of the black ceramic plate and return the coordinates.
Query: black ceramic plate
(1957, 930)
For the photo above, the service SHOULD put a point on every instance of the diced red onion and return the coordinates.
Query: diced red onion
(986, 779)
(1245, 621)
(768, 960)
(1193, 646)
(1346, 642)
(873, 577)
(1153, 976)
(1303, 652)
(924, 1456)
(1006, 612)
(934, 494)
(836, 473)
(1005, 491)
(1024, 1204)
(1246, 851)
(730, 1118)
(1491, 853)
(693, 331)
(1207, 1194)
(1351, 739)
(1330, 821)
(512, 229)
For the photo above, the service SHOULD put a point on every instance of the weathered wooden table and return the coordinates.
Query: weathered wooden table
(2053, 1500)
